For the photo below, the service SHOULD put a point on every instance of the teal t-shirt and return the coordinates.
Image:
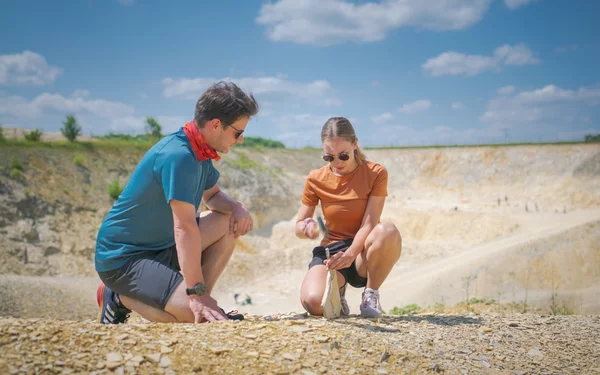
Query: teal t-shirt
(141, 219)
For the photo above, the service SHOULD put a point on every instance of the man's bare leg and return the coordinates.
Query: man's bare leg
(217, 248)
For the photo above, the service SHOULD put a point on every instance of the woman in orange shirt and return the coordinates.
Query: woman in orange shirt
(352, 193)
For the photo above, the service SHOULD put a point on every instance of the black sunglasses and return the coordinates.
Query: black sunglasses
(238, 132)
(343, 156)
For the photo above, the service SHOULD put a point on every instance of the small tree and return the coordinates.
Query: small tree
(34, 135)
(2, 139)
(115, 189)
(153, 128)
(71, 129)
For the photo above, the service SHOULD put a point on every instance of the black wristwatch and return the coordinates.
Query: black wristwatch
(198, 289)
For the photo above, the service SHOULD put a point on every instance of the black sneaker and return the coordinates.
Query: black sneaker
(112, 310)
(233, 315)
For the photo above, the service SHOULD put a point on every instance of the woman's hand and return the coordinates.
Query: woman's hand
(310, 228)
(340, 261)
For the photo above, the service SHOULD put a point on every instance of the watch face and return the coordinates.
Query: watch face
(200, 289)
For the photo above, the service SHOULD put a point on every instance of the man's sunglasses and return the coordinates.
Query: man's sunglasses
(342, 156)
(238, 132)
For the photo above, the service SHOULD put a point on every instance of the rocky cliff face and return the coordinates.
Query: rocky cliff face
(53, 199)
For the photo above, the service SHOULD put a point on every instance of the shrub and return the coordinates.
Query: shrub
(592, 138)
(79, 159)
(16, 164)
(34, 135)
(2, 139)
(15, 173)
(406, 310)
(27, 192)
(71, 129)
(115, 189)
(259, 142)
(66, 191)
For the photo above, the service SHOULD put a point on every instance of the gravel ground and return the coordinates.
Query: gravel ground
(490, 343)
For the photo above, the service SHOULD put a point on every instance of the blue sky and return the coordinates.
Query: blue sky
(406, 72)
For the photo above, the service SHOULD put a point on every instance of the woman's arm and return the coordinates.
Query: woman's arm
(306, 226)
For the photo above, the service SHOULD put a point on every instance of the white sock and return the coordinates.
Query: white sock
(374, 291)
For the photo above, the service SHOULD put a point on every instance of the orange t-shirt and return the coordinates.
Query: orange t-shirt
(344, 198)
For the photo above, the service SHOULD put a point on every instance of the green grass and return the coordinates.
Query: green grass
(15, 173)
(406, 310)
(83, 146)
(244, 163)
(79, 159)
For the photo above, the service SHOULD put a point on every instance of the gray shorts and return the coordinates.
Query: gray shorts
(150, 278)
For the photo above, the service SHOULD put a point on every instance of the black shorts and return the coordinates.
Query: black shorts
(151, 277)
(350, 273)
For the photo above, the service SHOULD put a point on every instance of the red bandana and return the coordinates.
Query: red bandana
(202, 150)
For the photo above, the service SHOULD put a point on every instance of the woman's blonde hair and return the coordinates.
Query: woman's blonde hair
(341, 127)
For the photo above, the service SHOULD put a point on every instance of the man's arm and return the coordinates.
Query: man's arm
(241, 222)
(188, 242)
(218, 201)
(189, 252)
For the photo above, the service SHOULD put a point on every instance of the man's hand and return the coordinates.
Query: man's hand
(205, 308)
(240, 222)
(340, 261)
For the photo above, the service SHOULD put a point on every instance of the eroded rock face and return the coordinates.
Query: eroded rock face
(51, 212)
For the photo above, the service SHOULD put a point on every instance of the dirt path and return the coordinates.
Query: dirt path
(420, 279)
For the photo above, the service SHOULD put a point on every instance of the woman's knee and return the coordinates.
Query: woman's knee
(311, 301)
(386, 234)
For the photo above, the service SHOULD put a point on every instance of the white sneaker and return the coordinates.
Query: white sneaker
(370, 307)
(345, 307)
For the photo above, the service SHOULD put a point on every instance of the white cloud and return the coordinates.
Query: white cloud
(27, 68)
(414, 107)
(47, 103)
(384, 117)
(547, 107)
(81, 93)
(273, 88)
(458, 105)
(506, 90)
(514, 4)
(455, 63)
(300, 130)
(515, 55)
(327, 22)
(418, 135)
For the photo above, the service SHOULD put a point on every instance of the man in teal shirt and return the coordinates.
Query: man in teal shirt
(155, 253)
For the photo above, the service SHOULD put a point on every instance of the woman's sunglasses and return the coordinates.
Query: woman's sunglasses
(342, 156)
